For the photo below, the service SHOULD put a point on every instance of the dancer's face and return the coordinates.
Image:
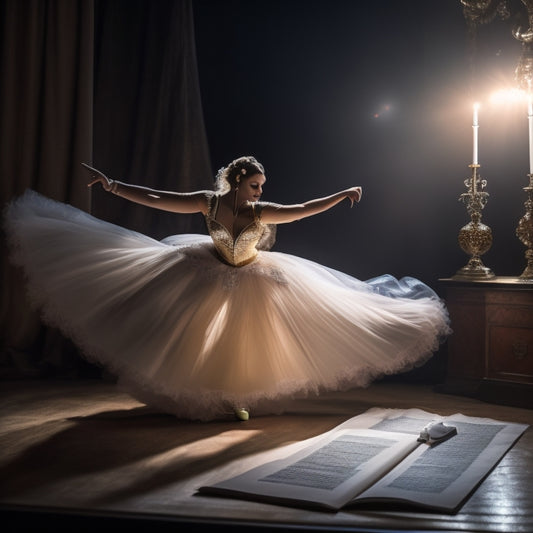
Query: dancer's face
(251, 188)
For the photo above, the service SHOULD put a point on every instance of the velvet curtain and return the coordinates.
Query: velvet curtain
(149, 127)
(109, 82)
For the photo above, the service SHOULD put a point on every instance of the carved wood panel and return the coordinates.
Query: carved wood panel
(510, 354)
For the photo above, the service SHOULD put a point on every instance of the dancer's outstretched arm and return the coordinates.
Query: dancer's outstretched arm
(280, 214)
(193, 202)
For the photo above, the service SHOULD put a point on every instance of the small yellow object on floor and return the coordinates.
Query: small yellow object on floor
(242, 414)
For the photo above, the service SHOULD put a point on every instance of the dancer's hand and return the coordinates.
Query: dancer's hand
(98, 177)
(354, 194)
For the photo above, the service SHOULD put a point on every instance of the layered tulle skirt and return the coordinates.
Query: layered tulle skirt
(193, 336)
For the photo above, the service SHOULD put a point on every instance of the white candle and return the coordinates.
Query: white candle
(475, 128)
(530, 120)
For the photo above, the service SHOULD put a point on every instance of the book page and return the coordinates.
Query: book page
(443, 475)
(328, 473)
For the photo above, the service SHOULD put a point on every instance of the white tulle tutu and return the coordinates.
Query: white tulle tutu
(195, 337)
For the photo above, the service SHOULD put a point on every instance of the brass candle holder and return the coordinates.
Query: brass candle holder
(475, 238)
(524, 231)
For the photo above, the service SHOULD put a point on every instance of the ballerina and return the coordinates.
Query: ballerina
(205, 325)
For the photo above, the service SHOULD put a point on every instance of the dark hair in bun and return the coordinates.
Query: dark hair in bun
(243, 166)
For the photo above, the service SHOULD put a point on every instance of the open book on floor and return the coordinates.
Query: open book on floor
(384, 455)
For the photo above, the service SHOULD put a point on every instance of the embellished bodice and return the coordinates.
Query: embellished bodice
(241, 250)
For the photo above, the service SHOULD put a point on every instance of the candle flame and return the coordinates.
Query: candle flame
(475, 123)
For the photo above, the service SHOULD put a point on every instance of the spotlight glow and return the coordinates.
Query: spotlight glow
(508, 96)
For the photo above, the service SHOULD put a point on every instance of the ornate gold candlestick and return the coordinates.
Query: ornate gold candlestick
(475, 238)
(524, 231)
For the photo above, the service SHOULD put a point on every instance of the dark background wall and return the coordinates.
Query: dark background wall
(379, 94)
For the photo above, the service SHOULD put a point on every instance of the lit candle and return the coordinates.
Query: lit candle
(530, 120)
(475, 128)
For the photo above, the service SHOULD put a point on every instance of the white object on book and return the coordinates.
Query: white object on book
(436, 432)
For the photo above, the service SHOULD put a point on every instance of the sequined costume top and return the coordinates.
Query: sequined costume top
(243, 249)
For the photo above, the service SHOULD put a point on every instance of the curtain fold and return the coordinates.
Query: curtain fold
(46, 93)
(108, 82)
(153, 133)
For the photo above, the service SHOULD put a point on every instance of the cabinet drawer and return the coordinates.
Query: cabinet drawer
(513, 316)
(518, 298)
(510, 353)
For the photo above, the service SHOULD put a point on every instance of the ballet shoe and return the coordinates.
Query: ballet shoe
(242, 414)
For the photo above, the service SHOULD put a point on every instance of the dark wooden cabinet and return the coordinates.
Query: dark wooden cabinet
(490, 352)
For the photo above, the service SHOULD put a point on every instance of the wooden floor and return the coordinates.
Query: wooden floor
(82, 455)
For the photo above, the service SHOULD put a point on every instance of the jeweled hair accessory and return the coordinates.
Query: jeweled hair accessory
(243, 171)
